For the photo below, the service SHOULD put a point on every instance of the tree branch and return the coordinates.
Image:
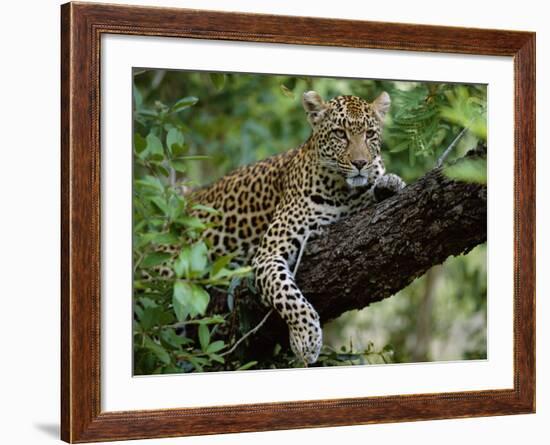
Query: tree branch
(373, 255)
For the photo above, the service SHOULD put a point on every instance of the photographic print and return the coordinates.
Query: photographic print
(285, 221)
(294, 211)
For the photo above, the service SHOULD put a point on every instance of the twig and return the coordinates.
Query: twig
(302, 248)
(248, 334)
(181, 324)
(448, 150)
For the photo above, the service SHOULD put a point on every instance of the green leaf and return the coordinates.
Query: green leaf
(179, 166)
(197, 362)
(240, 271)
(181, 299)
(192, 222)
(145, 362)
(178, 149)
(219, 264)
(224, 275)
(218, 79)
(147, 113)
(207, 209)
(217, 358)
(154, 259)
(215, 319)
(200, 300)
(468, 170)
(151, 183)
(216, 346)
(147, 302)
(140, 143)
(142, 240)
(138, 97)
(230, 302)
(173, 137)
(165, 238)
(154, 316)
(198, 258)
(171, 369)
(189, 299)
(182, 263)
(184, 103)
(176, 205)
(150, 317)
(247, 366)
(157, 349)
(170, 337)
(204, 336)
(161, 204)
(162, 169)
(154, 147)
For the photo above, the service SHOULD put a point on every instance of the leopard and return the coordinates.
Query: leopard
(269, 209)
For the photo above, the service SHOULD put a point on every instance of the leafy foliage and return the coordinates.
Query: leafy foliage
(171, 330)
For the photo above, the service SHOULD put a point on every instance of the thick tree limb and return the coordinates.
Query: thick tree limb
(371, 256)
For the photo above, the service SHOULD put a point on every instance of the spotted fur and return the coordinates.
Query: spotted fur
(270, 208)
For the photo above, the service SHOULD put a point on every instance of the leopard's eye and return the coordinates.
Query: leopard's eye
(339, 133)
(369, 134)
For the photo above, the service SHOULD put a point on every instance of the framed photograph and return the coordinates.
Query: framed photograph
(275, 222)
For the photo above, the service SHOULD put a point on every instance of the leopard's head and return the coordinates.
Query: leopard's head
(347, 132)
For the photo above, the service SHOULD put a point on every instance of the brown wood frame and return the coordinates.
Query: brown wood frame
(81, 28)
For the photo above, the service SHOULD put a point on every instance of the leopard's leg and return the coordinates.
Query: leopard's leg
(387, 185)
(275, 281)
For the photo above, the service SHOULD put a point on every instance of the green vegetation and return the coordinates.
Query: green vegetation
(192, 128)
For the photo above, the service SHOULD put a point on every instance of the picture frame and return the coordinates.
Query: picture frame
(82, 27)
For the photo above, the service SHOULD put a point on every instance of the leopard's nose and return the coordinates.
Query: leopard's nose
(359, 163)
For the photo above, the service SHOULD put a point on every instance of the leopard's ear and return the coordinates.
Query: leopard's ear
(381, 106)
(314, 105)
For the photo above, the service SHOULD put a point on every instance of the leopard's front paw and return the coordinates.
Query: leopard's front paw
(387, 185)
(306, 339)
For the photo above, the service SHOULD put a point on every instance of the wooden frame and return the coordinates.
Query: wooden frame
(82, 26)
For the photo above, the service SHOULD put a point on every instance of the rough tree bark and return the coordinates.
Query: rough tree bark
(372, 255)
